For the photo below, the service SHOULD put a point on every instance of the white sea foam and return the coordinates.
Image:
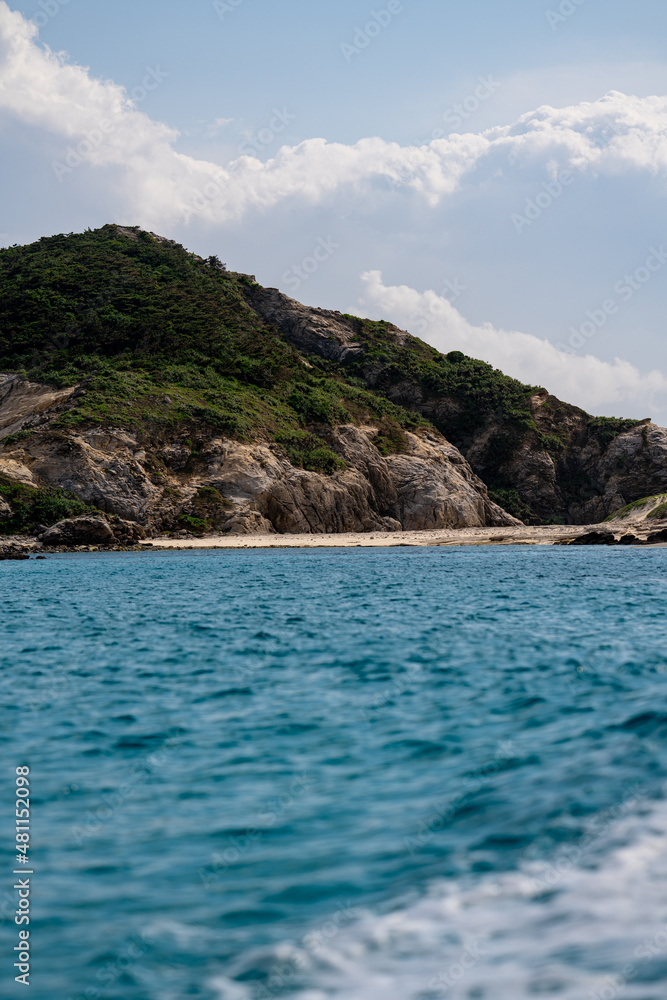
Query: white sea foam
(591, 924)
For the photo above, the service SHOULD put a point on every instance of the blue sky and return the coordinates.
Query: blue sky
(262, 53)
(442, 127)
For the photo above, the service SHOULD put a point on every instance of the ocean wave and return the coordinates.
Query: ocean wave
(586, 925)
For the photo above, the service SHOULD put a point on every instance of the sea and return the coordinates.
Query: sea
(338, 774)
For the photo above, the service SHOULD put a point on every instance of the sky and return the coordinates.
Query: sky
(490, 176)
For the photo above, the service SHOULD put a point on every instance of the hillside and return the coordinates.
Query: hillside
(161, 387)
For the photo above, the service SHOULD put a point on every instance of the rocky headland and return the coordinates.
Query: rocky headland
(146, 392)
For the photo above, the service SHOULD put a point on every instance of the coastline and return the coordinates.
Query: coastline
(439, 537)
(20, 547)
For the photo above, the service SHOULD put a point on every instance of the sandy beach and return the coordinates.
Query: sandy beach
(522, 535)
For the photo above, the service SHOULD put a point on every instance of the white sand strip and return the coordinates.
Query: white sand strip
(462, 536)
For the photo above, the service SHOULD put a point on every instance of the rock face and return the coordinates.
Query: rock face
(25, 404)
(586, 481)
(427, 485)
(430, 486)
(206, 348)
(315, 331)
(645, 512)
(558, 464)
(105, 468)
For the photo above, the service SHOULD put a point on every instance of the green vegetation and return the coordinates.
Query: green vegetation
(111, 291)
(630, 508)
(658, 514)
(390, 439)
(308, 451)
(206, 512)
(606, 429)
(32, 506)
(319, 404)
(16, 438)
(511, 501)
(476, 389)
(162, 339)
(552, 443)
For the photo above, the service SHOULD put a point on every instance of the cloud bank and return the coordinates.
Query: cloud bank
(40, 88)
(587, 381)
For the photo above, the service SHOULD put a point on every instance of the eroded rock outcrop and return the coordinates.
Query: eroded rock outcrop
(326, 332)
(85, 530)
(557, 459)
(25, 404)
(429, 486)
(250, 488)
(105, 468)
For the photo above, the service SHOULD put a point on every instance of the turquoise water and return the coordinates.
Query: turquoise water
(340, 775)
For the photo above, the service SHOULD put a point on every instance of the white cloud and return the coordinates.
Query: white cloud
(41, 88)
(595, 385)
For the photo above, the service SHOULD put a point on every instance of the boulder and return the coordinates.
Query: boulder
(391, 524)
(248, 522)
(14, 549)
(595, 538)
(128, 532)
(88, 529)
